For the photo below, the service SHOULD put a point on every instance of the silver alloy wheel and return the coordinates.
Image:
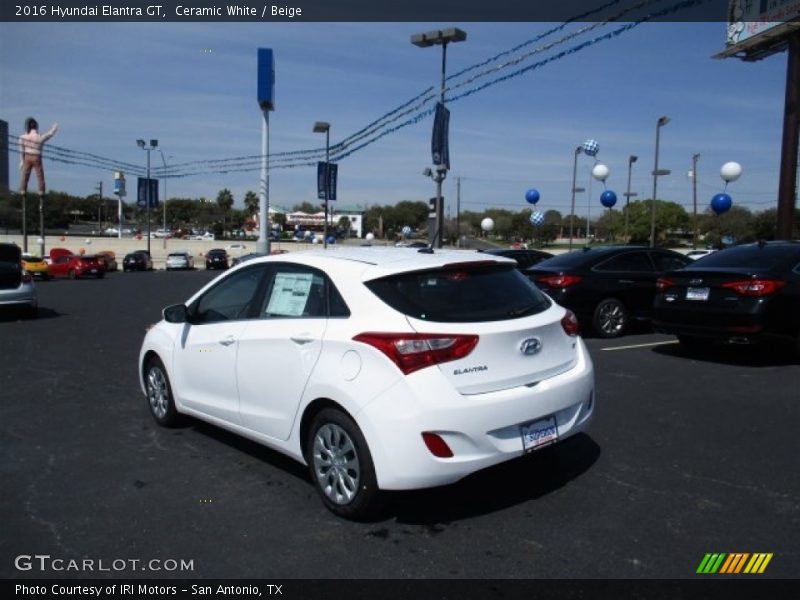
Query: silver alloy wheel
(336, 464)
(611, 318)
(157, 391)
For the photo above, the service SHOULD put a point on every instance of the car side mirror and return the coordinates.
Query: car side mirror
(177, 313)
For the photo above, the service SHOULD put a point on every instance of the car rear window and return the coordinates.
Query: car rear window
(9, 253)
(568, 260)
(461, 293)
(754, 257)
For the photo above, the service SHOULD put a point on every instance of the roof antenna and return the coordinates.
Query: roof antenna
(429, 249)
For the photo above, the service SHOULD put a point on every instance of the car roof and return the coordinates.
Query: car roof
(376, 262)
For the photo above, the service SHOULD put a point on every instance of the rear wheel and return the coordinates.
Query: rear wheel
(610, 318)
(341, 465)
(159, 394)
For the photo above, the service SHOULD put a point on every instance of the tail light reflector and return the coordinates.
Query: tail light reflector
(437, 446)
(570, 324)
(559, 281)
(664, 283)
(755, 288)
(414, 351)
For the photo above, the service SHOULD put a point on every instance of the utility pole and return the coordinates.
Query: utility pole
(458, 212)
(99, 189)
(694, 197)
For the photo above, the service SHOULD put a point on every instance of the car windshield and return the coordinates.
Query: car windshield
(753, 257)
(461, 293)
(31, 259)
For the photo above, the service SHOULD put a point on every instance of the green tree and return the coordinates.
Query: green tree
(251, 203)
(225, 203)
(307, 207)
(671, 217)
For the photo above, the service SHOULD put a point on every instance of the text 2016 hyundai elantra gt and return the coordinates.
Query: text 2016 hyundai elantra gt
(381, 369)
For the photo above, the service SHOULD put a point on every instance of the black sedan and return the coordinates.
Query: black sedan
(525, 258)
(217, 258)
(606, 287)
(137, 261)
(743, 294)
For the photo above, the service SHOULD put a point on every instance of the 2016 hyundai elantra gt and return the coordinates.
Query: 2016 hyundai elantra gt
(379, 368)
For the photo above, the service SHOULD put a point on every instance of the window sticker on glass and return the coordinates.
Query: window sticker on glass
(289, 294)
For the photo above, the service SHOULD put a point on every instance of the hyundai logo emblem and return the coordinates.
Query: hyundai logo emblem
(530, 346)
(695, 281)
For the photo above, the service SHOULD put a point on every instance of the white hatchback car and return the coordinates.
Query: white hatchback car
(181, 259)
(379, 368)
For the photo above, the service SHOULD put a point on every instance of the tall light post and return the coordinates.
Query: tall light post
(166, 177)
(153, 145)
(440, 37)
(628, 195)
(694, 198)
(661, 122)
(324, 127)
(578, 150)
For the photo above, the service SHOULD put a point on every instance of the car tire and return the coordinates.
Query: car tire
(72, 274)
(341, 465)
(160, 400)
(101, 275)
(610, 318)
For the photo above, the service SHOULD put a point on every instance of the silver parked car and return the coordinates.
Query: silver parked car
(17, 290)
(180, 260)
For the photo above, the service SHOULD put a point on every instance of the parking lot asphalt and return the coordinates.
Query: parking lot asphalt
(687, 455)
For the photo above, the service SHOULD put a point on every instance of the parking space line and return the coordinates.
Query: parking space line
(640, 345)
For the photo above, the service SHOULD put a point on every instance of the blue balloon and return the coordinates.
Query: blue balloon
(532, 196)
(721, 203)
(608, 198)
(406, 231)
(331, 239)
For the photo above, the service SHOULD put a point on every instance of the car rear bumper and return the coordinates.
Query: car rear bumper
(481, 429)
(24, 295)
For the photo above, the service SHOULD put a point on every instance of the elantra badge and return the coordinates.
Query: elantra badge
(695, 281)
(530, 346)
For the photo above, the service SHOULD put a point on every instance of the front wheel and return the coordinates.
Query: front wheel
(610, 318)
(159, 394)
(341, 465)
(72, 274)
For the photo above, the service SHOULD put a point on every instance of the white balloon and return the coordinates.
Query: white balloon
(730, 171)
(370, 236)
(87, 241)
(487, 224)
(600, 172)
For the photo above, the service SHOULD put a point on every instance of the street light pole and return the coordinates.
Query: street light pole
(166, 178)
(574, 189)
(631, 159)
(694, 197)
(441, 38)
(661, 122)
(153, 145)
(324, 127)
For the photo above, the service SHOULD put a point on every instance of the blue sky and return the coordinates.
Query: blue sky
(192, 86)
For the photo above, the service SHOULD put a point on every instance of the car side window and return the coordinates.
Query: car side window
(629, 262)
(668, 262)
(297, 291)
(231, 299)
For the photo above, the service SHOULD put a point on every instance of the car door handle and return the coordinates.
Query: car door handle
(303, 338)
(627, 281)
(227, 341)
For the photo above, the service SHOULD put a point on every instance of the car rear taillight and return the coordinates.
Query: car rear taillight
(437, 446)
(559, 281)
(664, 283)
(754, 288)
(414, 351)
(570, 324)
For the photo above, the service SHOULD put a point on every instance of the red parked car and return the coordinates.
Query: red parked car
(74, 266)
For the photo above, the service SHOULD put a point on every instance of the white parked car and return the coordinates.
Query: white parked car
(180, 260)
(379, 369)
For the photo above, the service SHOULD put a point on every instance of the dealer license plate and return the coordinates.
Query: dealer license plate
(697, 293)
(539, 433)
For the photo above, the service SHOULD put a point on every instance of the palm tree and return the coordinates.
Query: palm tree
(225, 203)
